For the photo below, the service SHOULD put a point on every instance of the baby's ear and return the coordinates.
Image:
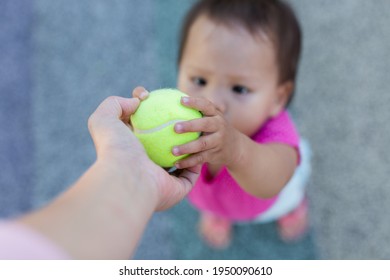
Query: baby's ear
(283, 93)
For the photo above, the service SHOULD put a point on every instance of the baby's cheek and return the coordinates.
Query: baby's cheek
(248, 126)
(241, 125)
(190, 91)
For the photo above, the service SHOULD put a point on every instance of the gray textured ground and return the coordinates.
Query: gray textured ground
(59, 59)
(16, 135)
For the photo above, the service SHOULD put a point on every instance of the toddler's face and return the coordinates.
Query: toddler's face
(235, 70)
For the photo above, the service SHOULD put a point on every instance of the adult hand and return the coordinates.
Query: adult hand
(115, 143)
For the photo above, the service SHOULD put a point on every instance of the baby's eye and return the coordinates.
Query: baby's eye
(240, 89)
(199, 81)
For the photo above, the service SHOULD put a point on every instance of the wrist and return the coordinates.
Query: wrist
(238, 153)
(130, 180)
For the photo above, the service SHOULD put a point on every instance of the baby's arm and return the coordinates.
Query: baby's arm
(260, 169)
(263, 169)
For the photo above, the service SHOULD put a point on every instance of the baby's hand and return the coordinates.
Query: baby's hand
(218, 142)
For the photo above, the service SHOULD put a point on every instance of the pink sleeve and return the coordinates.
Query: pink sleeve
(279, 129)
(19, 242)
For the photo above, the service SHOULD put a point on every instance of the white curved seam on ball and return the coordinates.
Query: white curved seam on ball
(157, 128)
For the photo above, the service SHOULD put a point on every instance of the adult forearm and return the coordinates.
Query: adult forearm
(101, 216)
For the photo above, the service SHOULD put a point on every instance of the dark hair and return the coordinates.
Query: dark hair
(274, 17)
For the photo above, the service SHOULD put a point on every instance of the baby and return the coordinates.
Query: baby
(238, 62)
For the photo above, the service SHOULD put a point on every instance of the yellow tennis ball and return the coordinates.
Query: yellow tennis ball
(153, 124)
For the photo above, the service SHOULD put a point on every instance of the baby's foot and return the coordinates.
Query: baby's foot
(215, 231)
(293, 226)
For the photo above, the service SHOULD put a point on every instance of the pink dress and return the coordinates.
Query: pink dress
(222, 195)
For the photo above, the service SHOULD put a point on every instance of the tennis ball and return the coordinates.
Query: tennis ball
(153, 124)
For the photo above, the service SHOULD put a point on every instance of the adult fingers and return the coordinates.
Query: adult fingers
(140, 93)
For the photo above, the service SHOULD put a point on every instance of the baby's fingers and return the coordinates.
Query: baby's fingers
(201, 104)
(141, 93)
(205, 124)
(204, 143)
(192, 160)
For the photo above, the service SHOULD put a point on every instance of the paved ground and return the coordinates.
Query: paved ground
(59, 59)
(16, 134)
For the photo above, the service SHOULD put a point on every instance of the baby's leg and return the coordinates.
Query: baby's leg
(293, 226)
(216, 231)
